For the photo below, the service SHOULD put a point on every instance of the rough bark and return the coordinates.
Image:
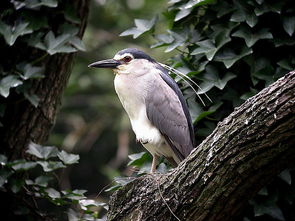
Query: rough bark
(214, 182)
(22, 121)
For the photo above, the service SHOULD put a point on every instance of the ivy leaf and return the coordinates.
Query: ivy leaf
(228, 57)
(275, 7)
(205, 47)
(224, 9)
(4, 174)
(289, 24)
(58, 44)
(42, 152)
(52, 193)
(11, 33)
(86, 203)
(74, 195)
(33, 98)
(77, 43)
(211, 79)
(142, 26)
(138, 159)
(68, 158)
(8, 82)
(251, 38)
(210, 48)
(70, 14)
(49, 166)
(38, 3)
(42, 181)
(120, 181)
(179, 40)
(31, 72)
(286, 176)
(243, 14)
(16, 185)
(22, 165)
(3, 159)
(182, 13)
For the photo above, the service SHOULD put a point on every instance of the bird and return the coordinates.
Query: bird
(154, 103)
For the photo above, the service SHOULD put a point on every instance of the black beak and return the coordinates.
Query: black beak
(109, 63)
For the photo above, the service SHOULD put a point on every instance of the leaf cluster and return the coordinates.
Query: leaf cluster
(34, 180)
(30, 32)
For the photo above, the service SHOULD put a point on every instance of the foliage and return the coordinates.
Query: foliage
(223, 43)
(31, 32)
(23, 177)
(233, 49)
(37, 26)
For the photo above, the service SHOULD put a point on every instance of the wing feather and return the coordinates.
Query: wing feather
(167, 111)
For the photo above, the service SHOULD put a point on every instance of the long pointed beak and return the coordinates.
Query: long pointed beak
(109, 63)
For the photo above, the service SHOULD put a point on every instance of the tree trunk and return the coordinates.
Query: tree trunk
(230, 166)
(23, 122)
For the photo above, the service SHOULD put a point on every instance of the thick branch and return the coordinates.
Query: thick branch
(242, 154)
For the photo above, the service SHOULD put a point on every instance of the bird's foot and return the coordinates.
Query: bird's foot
(143, 141)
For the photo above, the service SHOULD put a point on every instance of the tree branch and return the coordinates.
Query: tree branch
(228, 168)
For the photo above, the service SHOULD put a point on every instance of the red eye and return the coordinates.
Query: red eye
(127, 59)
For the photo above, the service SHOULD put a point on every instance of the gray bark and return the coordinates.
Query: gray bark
(245, 151)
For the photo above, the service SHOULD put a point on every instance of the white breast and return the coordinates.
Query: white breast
(131, 94)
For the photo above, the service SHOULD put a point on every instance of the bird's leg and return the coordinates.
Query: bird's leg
(154, 163)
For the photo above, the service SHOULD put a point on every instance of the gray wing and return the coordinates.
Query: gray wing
(167, 111)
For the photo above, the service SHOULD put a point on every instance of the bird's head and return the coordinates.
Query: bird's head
(127, 61)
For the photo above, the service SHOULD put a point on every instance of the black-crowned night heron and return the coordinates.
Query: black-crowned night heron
(157, 110)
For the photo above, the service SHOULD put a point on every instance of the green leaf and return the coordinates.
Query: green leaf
(205, 47)
(211, 79)
(138, 159)
(19, 165)
(38, 3)
(11, 33)
(58, 44)
(3, 159)
(75, 194)
(16, 185)
(224, 8)
(286, 64)
(179, 40)
(228, 57)
(49, 166)
(52, 193)
(42, 181)
(210, 48)
(33, 98)
(31, 72)
(70, 14)
(42, 152)
(251, 38)
(77, 43)
(141, 27)
(87, 203)
(182, 13)
(286, 176)
(243, 14)
(68, 158)
(289, 25)
(195, 3)
(8, 82)
(4, 174)
(275, 7)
